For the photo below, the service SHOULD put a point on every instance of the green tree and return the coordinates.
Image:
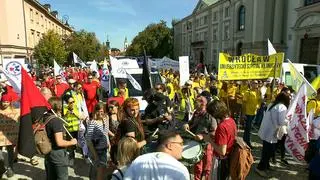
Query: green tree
(50, 47)
(85, 45)
(157, 39)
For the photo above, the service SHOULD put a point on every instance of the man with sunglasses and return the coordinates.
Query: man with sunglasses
(60, 86)
(163, 164)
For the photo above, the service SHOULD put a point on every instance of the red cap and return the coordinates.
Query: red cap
(6, 97)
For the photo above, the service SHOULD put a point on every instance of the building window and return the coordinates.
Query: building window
(197, 23)
(197, 36)
(205, 35)
(239, 49)
(205, 19)
(214, 55)
(226, 32)
(309, 2)
(226, 12)
(242, 16)
(215, 16)
(31, 15)
(214, 34)
(37, 17)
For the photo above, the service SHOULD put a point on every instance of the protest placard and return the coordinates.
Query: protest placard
(249, 66)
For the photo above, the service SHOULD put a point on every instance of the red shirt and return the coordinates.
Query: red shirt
(120, 100)
(90, 89)
(226, 133)
(60, 88)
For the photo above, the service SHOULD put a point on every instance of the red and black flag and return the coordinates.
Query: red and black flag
(33, 106)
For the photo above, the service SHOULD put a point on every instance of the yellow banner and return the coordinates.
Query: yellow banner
(249, 66)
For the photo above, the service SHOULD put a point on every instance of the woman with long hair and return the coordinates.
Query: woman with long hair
(98, 141)
(128, 150)
(131, 125)
(114, 112)
(273, 119)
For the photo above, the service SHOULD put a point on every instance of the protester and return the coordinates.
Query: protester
(200, 124)
(122, 84)
(90, 93)
(115, 117)
(10, 116)
(128, 150)
(274, 119)
(131, 125)
(98, 142)
(251, 101)
(57, 161)
(60, 86)
(163, 164)
(223, 140)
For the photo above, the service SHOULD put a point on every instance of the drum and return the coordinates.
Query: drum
(192, 152)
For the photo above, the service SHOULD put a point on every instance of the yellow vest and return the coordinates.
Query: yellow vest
(72, 119)
(116, 90)
(172, 92)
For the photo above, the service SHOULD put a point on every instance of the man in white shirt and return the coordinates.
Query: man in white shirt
(162, 165)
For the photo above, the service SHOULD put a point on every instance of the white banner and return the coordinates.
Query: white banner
(164, 63)
(134, 82)
(12, 71)
(105, 79)
(184, 69)
(297, 139)
(76, 59)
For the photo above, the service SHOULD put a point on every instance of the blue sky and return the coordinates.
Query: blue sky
(119, 18)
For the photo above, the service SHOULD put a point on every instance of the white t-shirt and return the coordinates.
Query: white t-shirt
(156, 166)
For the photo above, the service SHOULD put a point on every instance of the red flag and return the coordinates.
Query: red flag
(33, 107)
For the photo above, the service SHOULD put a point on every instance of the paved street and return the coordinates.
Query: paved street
(296, 171)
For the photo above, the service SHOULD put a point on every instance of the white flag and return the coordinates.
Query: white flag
(76, 59)
(205, 70)
(12, 71)
(58, 70)
(94, 67)
(271, 49)
(297, 139)
(134, 82)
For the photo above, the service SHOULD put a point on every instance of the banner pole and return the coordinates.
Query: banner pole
(274, 77)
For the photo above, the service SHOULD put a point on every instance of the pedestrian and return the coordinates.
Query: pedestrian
(98, 142)
(90, 93)
(163, 164)
(272, 122)
(128, 150)
(57, 161)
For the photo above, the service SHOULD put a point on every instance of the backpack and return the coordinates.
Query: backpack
(240, 160)
(42, 141)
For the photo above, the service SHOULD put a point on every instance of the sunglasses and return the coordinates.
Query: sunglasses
(71, 102)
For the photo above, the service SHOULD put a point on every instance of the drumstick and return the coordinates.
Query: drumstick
(191, 133)
(155, 132)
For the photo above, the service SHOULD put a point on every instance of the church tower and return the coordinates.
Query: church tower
(126, 44)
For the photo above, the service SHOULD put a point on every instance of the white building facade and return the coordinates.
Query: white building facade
(243, 26)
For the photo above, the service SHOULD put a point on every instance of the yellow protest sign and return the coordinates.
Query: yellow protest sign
(249, 66)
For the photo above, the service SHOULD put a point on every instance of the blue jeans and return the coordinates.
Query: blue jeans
(247, 129)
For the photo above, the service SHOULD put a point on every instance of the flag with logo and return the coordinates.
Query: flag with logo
(134, 82)
(298, 79)
(298, 129)
(77, 60)
(105, 79)
(12, 71)
(58, 70)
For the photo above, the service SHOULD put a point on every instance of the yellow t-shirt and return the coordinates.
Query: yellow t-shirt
(232, 89)
(202, 83)
(251, 101)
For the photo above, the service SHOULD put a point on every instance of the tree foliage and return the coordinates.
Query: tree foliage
(50, 47)
(86, 46)
(157, 39)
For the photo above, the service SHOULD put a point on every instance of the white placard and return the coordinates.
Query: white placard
(184, 69)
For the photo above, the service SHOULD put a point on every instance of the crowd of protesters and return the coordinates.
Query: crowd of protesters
(112, 133)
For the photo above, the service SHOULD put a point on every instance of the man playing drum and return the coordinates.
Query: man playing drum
(202, 123)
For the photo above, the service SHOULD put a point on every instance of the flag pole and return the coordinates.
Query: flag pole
(62, 121)
(274, 77)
